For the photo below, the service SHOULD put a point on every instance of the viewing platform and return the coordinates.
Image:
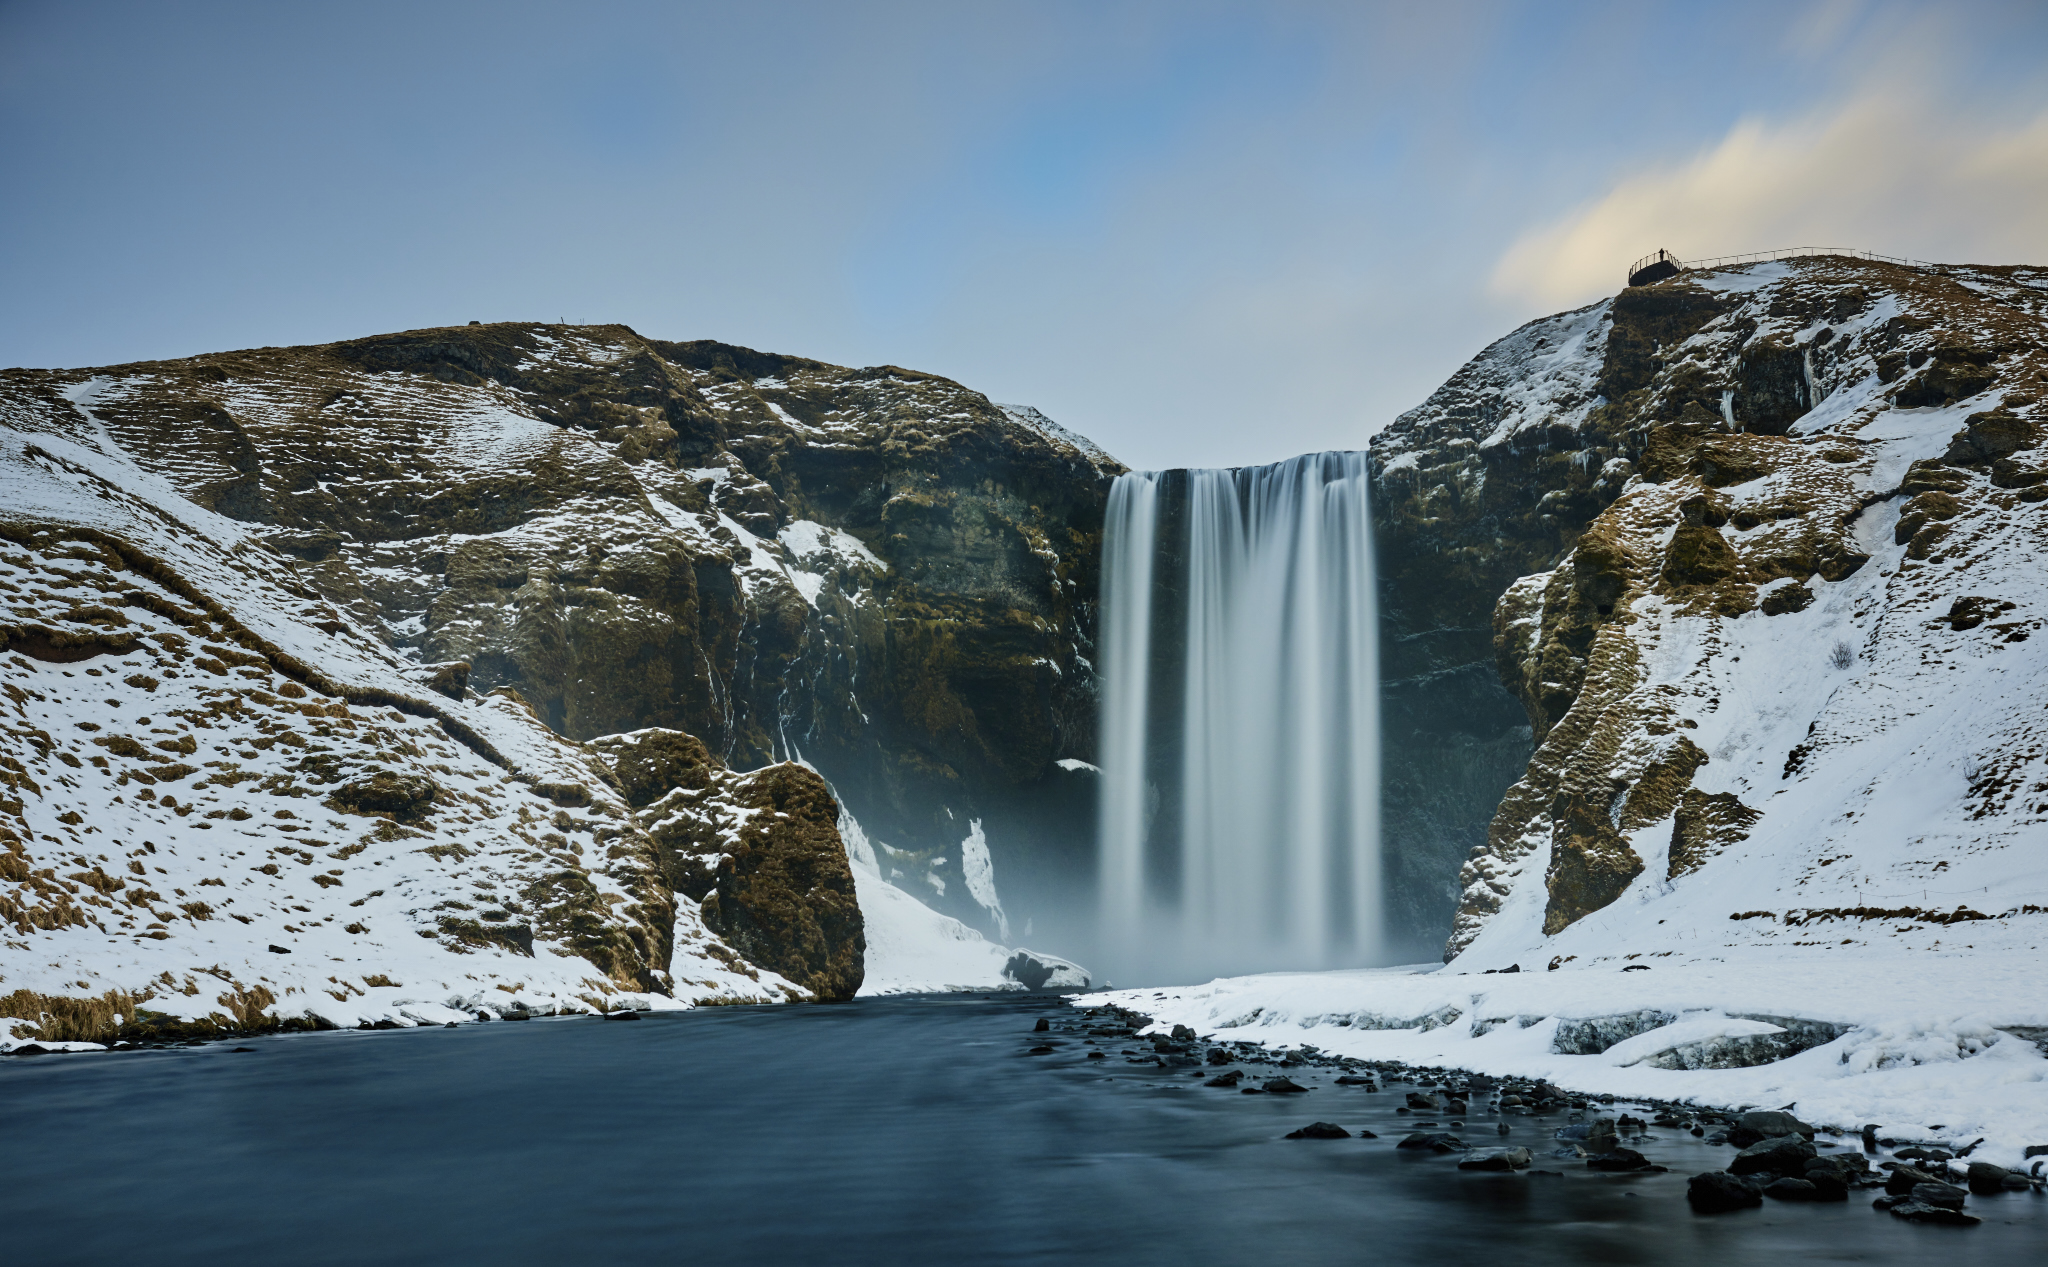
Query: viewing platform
(1659, 265)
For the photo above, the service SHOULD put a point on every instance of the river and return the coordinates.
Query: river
(902, 1131)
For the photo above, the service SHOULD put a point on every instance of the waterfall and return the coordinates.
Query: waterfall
(1240, 721)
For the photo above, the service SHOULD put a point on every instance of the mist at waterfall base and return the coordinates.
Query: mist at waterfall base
(1239, 814)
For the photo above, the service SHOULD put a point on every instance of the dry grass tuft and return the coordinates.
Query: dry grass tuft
(73, 1020)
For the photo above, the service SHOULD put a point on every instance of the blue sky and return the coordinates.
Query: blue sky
(1201, 233)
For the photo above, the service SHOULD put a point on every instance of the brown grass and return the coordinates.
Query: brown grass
(73, 1020)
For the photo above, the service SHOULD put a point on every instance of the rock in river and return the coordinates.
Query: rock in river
(1717, 1192)
(1619, 1159)
(1320, 1130)
(1785, 1155)
(1504, 1159)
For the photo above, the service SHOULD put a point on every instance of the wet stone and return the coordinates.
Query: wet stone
(1620, 1159)
(1434, 1141)
(1320, 1130)
(1791, 1190)
(1502, 1160)
(1942, 1194)
(1717, 1192)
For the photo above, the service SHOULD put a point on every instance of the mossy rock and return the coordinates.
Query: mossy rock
(784, 896)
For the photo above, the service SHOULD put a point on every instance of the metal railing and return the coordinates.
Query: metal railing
(1761, 257)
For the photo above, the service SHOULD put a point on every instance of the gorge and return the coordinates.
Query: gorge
(515, 668)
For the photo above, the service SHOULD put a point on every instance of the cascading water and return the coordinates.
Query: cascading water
(1240, 721)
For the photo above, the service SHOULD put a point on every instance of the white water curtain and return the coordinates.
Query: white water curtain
(1272, 860)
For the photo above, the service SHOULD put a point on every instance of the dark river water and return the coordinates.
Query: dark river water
(910, 1130)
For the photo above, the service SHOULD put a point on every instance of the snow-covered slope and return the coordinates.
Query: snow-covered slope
(1785, 689)
(912, 948)
(224, 796)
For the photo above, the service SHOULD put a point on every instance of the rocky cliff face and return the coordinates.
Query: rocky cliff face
(1777, 533)
(874, 571)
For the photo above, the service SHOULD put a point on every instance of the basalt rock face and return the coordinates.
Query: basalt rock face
(1493, 477)
(1748, 541)
(875, 571)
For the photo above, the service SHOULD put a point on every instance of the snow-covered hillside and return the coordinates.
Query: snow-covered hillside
(225, 796)
(1785, 688)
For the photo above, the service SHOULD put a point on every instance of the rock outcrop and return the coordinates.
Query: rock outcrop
(760, 852)
(1777, 532)
(875, 571)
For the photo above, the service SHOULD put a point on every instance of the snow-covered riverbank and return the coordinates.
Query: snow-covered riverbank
(1945, 1047)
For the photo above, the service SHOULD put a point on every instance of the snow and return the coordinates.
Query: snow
(978, 870)
(1075, 764)
(912, 948)
(1924, 1057)
(1741, 279)
(1031, 419)
(806, 539)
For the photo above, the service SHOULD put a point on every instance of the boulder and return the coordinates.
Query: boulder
(1828, 1185)
(1939, 1193)
(1283, 1086)
(1718, 1191)
(1785, 1155)
(1985, 1178)
(1792, 1190)
(784, 896)
(1618, 1159)
(1434, 1141)
(651, 763)
(1229, 1079)
(403, 796)
(1320, 1130)
(1601, 1136)
(1771, 1123)
(1904, 1179)
(1035, 971)
(1920, 1212)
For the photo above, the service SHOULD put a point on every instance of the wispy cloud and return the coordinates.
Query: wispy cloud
(1899, 172)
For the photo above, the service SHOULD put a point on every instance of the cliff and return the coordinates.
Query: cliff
(301, 646)
(1758, 556)
(876, 572)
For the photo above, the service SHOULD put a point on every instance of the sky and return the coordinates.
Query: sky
(1201, 234)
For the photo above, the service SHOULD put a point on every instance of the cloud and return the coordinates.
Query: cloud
(1883, 171)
